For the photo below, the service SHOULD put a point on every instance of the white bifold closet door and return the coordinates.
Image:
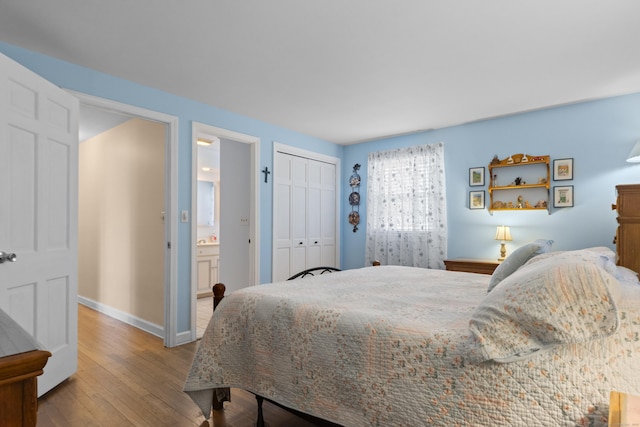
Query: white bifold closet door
(304, 215)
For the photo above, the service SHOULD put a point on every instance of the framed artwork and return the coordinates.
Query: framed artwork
(563, 196)
(476, 177)
(563, 169)
(476, 199)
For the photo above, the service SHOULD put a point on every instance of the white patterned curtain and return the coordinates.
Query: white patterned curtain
(407, 207)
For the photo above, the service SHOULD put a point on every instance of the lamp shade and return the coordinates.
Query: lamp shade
(503, 233)
(634, 156)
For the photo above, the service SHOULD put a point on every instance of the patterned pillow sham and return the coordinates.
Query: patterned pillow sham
(517, 259)
(625, 274)
(587, 254)
(542, 305)
(601, 255)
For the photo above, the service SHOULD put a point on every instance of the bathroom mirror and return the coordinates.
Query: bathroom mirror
(208, 189)
(206, 204)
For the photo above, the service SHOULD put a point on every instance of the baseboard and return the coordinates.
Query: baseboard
(127, 318)
(184, 338)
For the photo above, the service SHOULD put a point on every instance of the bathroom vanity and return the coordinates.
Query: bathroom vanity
(208, 255)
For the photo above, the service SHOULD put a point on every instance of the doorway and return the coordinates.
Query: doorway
(166, 327)
(225, 240)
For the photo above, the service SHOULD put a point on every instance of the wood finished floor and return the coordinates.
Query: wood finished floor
(204, 310)
(126, 377)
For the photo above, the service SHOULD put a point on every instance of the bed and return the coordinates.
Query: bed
(543, 341)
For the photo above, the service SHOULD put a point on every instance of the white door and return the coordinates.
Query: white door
(305, 228)
(235, 211)
(325, 182)
(38, 214)
(299, 214)
(282, 200)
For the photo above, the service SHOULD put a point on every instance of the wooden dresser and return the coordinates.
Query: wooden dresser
(628, 232)
(482, 266)
(21, 361)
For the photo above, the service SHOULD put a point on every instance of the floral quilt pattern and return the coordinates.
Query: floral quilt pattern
(386, 346)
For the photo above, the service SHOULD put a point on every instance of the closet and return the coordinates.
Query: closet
(305, 219)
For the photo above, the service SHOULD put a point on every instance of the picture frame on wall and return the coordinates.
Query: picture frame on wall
(563, 196)
(476, 177)
(563, 169)
(476, 199)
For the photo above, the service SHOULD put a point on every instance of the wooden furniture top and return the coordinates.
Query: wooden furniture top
(21, 361)
(20, 353)
(482, 266)
(13, 338)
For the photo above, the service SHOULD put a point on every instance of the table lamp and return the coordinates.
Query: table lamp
(634, 156)
(503, 234)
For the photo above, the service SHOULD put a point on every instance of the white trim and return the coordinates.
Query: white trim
(294, 151)
(204, 130)
(122, 316)
(171, 203)
(184, 338)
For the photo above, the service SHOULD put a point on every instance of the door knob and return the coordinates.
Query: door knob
(5, 256)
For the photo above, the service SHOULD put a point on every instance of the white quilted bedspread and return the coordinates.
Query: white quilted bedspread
(386, 346)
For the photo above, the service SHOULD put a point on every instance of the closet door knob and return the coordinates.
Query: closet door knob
(6, 256)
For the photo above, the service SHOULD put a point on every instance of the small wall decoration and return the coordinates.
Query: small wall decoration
(476, 199)
(354, 197)
(266, 173)
(563, 196)
(563, 169)
(476, 177)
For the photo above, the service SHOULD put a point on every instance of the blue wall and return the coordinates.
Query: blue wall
(91, 82)
(598, 135)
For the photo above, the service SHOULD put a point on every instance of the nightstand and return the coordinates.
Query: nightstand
(482, 266)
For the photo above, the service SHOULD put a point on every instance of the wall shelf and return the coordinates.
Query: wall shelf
(519, 182)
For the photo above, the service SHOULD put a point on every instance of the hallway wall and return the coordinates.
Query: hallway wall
(121, 232)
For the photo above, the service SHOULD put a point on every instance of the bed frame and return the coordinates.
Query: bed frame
(218, 295)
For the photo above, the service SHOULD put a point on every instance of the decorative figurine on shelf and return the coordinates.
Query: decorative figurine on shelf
(495, 181)
(354, 197)
(520, 203)
(542, 204)
(518, 181)
(495, 160)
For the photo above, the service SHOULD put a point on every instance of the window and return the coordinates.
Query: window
(406, 207)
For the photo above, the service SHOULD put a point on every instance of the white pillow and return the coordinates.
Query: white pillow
(517, 259)
(542, 305)
(625, 274)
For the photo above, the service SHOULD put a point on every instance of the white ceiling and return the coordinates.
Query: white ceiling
(351, 70)
(94, 121)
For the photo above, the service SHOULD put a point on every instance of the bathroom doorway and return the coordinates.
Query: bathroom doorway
(224, 221)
